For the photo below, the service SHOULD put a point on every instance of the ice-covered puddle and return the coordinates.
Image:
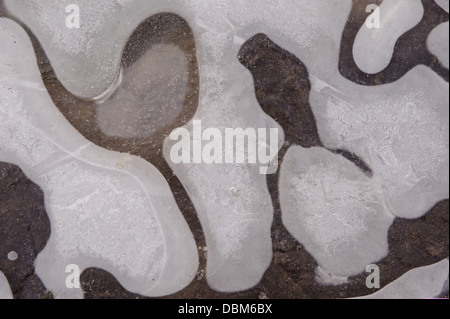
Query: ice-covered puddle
(398, 130)
(107, 210)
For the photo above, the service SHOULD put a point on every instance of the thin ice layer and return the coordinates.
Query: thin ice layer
(308, 28)
(5, 289)
(419, 283)
(438, 43)
(374, 47)
(107, 210)
(86, 60)
(400, 130)
(334, 210)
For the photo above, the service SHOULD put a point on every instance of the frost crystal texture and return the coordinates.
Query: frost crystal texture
(107, 210)
(227, 100)
(400, 130)
(334, 210)
(5, 290)
(374, 47)
(419, 283)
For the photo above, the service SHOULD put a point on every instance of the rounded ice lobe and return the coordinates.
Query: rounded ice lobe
(400, 130)
(107, 210)
(334, 210)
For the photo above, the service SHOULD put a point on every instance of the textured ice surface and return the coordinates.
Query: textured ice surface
(400, 130)
(232, 201)
(419, 283)
(5, 290)
(374, 47)
(438, 43)
(144, 104)
(334, 210)
(107, 210)
(444, 4)
(86, 60)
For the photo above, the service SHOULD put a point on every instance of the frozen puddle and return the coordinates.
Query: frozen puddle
(232, 201)
(334, 210)
(374, 47)
(5, 290)
(150, 95)
(438, 43)
(400, 130)
(420, 283)
(107, 210)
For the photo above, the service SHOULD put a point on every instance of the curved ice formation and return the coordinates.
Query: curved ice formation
(5, 289)
(438, 43)
(334, 210)
(419, 283)
(232, 200)
(374, 47)
(400, 130)
(444, 4)
(107, 210)
(86, 60)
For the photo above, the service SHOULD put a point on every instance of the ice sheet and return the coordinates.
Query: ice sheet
(107, 210)
(235, 211)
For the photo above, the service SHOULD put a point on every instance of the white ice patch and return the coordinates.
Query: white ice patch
(232, 200)
(374, 47)
(438, 43)
(107, 210)
(400, 130)
(334, 210)
(419, 283)
(5, 289)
